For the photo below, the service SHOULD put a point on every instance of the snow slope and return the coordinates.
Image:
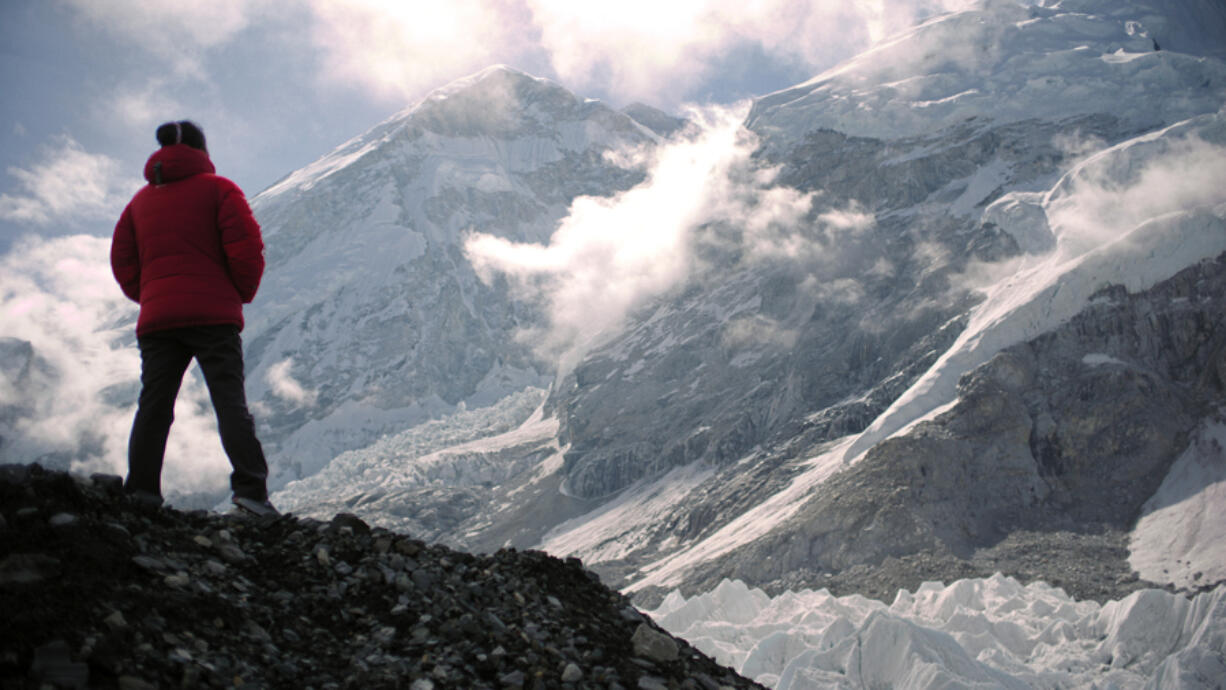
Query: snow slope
(1005, 61)
(1181, 535)
(981, 633)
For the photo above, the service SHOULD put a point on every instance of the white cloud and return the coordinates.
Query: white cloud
(1124, 186)
(177, 32)
(850, 220)
(58, 295)
(757, 330)
(660, 51)
(398, 49)
(785, 237)
(142, 108)
(68, 184)
(286, 387)
(610, 256)
(401, 48)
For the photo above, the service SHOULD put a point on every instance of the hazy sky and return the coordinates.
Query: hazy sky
(277, 83)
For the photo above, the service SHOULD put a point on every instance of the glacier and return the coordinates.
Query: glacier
(979, 633)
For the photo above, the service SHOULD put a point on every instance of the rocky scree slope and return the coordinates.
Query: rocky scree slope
(100, 592)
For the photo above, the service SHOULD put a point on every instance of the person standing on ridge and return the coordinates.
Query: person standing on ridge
(189, 251)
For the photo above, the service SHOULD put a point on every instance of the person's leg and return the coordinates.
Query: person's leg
(163, 361)
(219, 351)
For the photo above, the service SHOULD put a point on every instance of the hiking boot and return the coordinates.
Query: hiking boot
(258, 508)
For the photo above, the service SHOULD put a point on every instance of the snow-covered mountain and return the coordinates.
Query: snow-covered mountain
(986, 182)
(991, 339)
(956, 307)
(370, 318)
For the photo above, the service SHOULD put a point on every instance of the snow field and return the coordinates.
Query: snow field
(1181, 536)
(458, 450)
(988, 633)
(1010, 62)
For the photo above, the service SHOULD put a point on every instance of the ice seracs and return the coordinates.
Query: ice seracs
(989, 633)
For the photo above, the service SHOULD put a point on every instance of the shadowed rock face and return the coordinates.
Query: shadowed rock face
(99, 592)
(1065, 435)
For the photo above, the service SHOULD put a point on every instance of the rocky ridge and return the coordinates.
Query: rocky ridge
(101, 592)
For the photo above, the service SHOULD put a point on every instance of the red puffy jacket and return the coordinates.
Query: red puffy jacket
(187, 247)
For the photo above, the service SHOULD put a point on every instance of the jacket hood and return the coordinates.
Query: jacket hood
(177, 162)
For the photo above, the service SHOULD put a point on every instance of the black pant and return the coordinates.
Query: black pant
(165, 356)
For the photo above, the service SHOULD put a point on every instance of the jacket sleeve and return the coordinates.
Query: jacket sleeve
(125, 259)
(241, 241)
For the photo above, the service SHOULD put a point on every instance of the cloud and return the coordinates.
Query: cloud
(177, 32)
(757, 330)
(660, 51)
(68, 184)
(142, 108)
(612, 255)
(812, 245)
(1110, 193)
(286, 387)
(399, 49)
(1155, 189)
(75, 409)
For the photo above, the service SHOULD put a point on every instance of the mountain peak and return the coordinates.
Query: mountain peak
(495, 101)
(654, 119)
(494, 76)
(498, 101)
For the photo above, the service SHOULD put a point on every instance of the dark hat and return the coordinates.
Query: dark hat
(181, 132)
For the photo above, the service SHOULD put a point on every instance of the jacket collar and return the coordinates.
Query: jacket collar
(172, 163)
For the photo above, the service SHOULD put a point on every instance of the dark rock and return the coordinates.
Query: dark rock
(653, 644)
(231, 553)
(343, 520)
(27, 568)
(62, 519)
(150, 563)
(110, 483)
(53, 664)
(16, 474)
